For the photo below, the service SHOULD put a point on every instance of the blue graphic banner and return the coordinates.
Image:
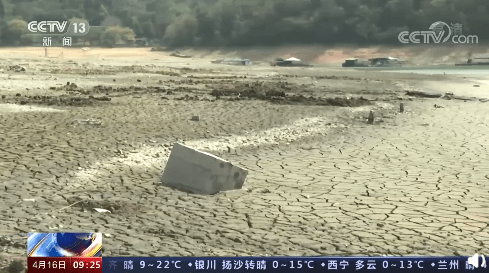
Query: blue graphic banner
(293, 264)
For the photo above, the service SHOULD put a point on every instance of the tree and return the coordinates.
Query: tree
(111, 21)
(95, 13)
(93, 36)
(109, 38)
(76, 20)
(125, 16)
(26, 40)
(2, 9)
(137, 27)
(88, 4)
(125, 34)
(48, 15)
(16, 29)
(149, 30)
(113, 35)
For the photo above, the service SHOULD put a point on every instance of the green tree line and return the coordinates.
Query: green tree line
(110, 24)
(177, 23)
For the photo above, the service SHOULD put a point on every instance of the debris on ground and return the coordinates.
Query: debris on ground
(104, 206)
(102, 210)
(198, 172)
(370, 119)
(62, 100)
(159, 48)
(88, 121)
(423, 94)
(277, 93)
(448, 96)
(464, 98)
(100, 98)
(179, 55)
(17, 68)
(15, 266)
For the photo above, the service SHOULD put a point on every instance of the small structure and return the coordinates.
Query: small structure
(290, 62)
(479, 60)
(158, 48)
(125, 43)
(386, 61)
(236, 61)
(141, 42)
(354, 62)
(197, 172)
(179, 55)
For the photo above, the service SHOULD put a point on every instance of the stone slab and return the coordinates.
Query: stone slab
(202, 173)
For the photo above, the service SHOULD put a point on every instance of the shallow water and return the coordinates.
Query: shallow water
(473, 71)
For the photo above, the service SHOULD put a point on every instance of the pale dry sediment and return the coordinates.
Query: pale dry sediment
(156, 157)
(14, 108)
(367, 109)
(150, 157)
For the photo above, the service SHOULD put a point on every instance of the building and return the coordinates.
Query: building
(478, 60)
(289, 62)
(386, 61)
(233, 61)
(355, 62)
(141, 42)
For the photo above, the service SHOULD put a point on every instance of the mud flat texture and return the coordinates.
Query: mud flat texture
(87, 133)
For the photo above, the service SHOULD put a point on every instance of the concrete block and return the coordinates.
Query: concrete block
(198, 172)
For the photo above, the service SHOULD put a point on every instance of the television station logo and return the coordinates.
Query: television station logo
(78, 28)
(436, 34)
(47, 26)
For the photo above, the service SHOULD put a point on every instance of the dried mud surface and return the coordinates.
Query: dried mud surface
(78, 136)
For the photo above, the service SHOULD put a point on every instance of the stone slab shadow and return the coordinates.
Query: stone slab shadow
(198, 172)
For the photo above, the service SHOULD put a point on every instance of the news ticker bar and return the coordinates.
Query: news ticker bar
(254, 264)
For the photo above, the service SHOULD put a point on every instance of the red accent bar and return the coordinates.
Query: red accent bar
(86, 265)
(48, 264)
(64, 264)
